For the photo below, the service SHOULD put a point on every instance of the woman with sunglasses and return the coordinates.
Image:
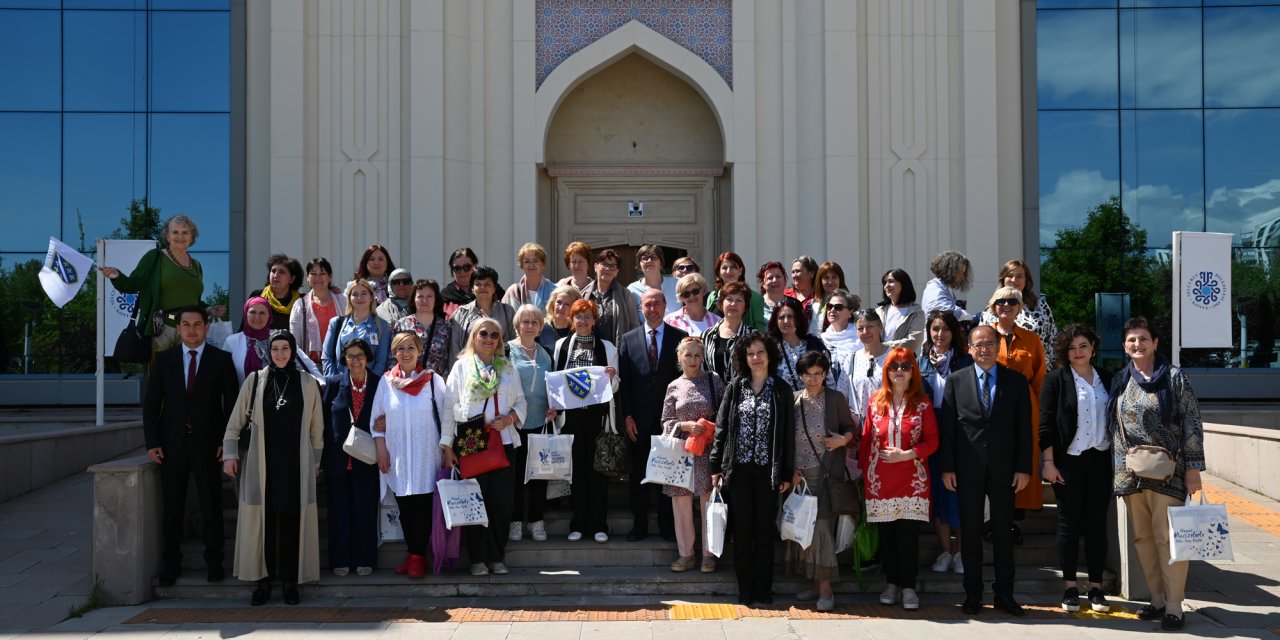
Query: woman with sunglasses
(692, 317)
(651, 262)
(484, 384)
(1036, 315)
(788, 327)
(866, 367)
(426, 320)
(719, 339)
(729, 268)
(684, 266)
(900, 434)
(375, 264)
(484, 304)
(619, 311)
(945, 350)
(1022, 351)
(458, 292)
(841, 337)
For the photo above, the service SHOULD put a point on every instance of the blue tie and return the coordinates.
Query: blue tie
(984, 395)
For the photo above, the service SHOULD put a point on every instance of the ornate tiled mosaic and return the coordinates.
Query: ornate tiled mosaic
(704, 27)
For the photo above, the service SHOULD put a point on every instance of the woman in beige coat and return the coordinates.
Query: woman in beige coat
(277, 530)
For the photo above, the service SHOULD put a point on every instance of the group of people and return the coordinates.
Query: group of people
(935, 412)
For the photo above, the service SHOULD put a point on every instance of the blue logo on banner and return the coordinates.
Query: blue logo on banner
(579, 383)
(65, 270)
(1205, 289)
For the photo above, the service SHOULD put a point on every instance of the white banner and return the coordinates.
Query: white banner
(123, 255)
(1204, 288)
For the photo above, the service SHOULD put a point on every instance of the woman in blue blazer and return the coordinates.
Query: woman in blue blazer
(352, 485)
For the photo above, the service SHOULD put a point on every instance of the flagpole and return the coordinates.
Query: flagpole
(100, 381)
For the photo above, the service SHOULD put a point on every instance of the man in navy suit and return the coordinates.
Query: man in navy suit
(190, 393)
(985, 452)
(646, 365)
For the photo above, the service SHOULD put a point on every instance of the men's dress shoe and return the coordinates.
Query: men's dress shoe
(745, 599)
(971, 606)
(636, 535)
(1149, 612)
(1171, 622)
(261, 594)
(1010, 606)
(216, 573)
(291, 595)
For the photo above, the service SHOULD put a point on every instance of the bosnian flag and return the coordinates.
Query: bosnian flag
(63, 273)
(578, 387)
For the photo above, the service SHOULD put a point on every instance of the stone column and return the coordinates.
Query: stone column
(126, 529)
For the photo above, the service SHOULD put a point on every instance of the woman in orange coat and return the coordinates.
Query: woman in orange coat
(1022, 351)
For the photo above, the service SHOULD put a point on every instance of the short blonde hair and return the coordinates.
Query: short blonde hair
(480, 323)
(562, 290)
(525, 311)
(532, 250)
(690, 280)
(403, 337)
(1001, 294)
(690, 342)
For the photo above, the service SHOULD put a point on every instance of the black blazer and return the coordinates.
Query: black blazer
(1058, 408)
(337, 410)
(166, 408)
(972, 445)
(643, 388)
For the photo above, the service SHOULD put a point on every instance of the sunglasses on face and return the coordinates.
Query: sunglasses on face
(900, 366)
(401, 283)
(690, 293)
(487, 334)
(1006, 302)
(686, 267)
(461, 268)
(836, 307)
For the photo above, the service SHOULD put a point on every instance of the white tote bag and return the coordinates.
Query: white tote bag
(846, 533)
(717, 521)
(669, 463)
(462, 502)
(1199, 532)
(550, 457)
(799, 516)
(389, 520)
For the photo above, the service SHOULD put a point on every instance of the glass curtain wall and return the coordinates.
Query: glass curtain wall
(110, 109)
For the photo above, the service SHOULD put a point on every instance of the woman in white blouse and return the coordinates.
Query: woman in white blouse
(413, 404)
(866, 367)
(902, 318)
(483, 384)
(1076, 457)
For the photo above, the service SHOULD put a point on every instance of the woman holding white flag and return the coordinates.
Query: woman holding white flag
(590, 488)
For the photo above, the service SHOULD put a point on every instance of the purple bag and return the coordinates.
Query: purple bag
(446, 544)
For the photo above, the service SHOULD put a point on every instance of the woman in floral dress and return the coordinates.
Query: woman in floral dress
(691, 397)
(900, 434)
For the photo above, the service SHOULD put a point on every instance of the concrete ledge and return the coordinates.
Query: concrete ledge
(32, 460)
(50, 389)
(126, 528)
(1244, 455)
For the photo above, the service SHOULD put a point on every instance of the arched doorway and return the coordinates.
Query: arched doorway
(634, 133)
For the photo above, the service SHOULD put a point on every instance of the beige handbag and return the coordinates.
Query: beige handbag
(360, 445)
(1150, 462)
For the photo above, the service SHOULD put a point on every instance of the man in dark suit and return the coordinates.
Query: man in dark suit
(190, 393)
(646, 365)
(985, 452)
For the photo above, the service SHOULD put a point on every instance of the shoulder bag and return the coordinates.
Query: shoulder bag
(359, 443)
(246, 432)
(479, 448)
(841, 493)
(133, 345)
(1146, 461)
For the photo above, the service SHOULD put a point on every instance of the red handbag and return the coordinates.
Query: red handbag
(479, 448)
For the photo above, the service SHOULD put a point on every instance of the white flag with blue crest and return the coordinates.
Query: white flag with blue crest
(64, 272)
(578, 387)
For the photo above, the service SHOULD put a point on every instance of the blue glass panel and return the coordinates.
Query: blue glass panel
(105, 66)
(1243, 172)
(1160, 58)
(104, 169)
(29, 180)
(1075, 4)
(1218, 3)
(1079, 167)
(1159, 3)
(30, 4)
(191, 173)
(1162, 172)
(104, 4)
(1241, 47)
(190, 61)
(217, 273)
(1076, 59)
(191, 5)
(30, 60)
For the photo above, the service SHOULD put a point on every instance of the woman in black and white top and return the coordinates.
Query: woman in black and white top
(788, 327)
(903, 319)
(718, 341)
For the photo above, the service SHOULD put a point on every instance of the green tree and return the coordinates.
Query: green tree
(142, 223)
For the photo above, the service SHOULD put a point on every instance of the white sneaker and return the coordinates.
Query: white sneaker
(957, 566)
(499, 568)
(602, 537)
(889, 595)
(575, 536)
(478, 569)
(538, 531)
(943, 563)
(910, 601)
(515, 532)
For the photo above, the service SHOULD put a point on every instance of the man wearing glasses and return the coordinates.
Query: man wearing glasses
(397, 304)
(985, 453)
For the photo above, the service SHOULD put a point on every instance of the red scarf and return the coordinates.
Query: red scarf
(409, 384)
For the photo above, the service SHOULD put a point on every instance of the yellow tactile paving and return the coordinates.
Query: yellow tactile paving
(704, 612)
(1244, 509)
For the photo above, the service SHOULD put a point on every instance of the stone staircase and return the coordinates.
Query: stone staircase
(558, 567)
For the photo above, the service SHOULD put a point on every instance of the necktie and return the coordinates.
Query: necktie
(653, 349)
(191, 372)
(984, 396)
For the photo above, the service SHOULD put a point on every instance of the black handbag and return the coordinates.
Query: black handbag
(132, 345)
(841, 493)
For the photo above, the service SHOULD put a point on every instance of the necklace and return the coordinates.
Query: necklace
(187, 267)
(281, 401)
(354, 387)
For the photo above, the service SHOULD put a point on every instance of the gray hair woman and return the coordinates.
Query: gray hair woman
(951, 273)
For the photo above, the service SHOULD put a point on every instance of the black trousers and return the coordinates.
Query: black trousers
(753, 501)
(589, 488)
(281, 546)
(352, 514)
(643, 495)
(973, 487)
(900, 552)
(416, 516)
(1083, 502)
(489, 544)
(188, 461)
(532, 495)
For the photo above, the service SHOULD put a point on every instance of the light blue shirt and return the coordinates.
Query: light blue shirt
(939, 297)
(533, 382)
(991, 392)
(661, 328)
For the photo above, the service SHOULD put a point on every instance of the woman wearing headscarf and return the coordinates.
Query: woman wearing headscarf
(426, 319)
(902, 318)
(351, 486)
(248, 347)
(374, 267)
(277, 526)
(309, 319)
(359, 322)
(458, 292)
(618, 309)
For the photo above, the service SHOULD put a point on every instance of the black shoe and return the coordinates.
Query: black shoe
(971, 607)
(1149, 612)
(168, 577)
(1097, 601)
(1015, 533)
(1171, 622)
(745, 599)
(291, 595)
(1071, 600)
(765, 599)
(1010, 606)
(216, 573)
(637, 535)
(260, 595)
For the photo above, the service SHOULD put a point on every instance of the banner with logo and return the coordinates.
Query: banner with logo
(1204, 287)
(578, 387)
(63, 272)
(123, 255)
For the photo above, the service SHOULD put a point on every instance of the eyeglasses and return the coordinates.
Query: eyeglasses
(461, 268)
(982, 345)
(398, 282)
(836, 307)
(1006, 302)
(607, 266)
(486, 334)
(811, 376)
(690, 293)
(355, 356)
(900, 366)
(648, 258)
